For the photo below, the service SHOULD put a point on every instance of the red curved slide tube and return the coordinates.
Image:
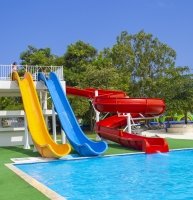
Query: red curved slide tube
(117, 101)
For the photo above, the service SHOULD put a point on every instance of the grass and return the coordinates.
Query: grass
(13, 187)
(179, 144)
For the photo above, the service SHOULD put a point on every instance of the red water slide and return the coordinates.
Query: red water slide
(117, 102)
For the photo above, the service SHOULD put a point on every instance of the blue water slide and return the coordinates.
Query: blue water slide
(79, 141)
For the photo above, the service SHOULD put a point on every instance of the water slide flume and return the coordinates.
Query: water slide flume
(79, 141)
(36, 124)
(111, 128)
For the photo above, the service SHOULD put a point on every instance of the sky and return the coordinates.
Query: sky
(55, 24)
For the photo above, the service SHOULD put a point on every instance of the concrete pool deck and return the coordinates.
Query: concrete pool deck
(162, 133)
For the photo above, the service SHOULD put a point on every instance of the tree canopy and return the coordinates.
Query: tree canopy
(34, 56)
(145, 59)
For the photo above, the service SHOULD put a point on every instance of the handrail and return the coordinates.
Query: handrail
(6, 71)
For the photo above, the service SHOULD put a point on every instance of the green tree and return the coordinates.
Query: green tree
(76, 60)
(150, 66)
(178, 92)
(101, 74)
(11, 103)
(144, 59)
(34, 56)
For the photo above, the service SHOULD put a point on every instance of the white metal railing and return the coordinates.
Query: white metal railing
(6, 71)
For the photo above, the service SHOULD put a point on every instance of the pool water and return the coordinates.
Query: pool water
(166, 176)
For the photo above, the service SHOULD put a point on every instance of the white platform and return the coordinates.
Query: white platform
(12, 136)
(10, 88)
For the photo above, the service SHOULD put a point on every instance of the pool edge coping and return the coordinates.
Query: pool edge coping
(87, 157)
(51, 194)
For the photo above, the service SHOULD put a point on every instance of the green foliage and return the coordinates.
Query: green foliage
(76, 60)
(34, 56)
(181, 98)
(79, 105)
(78, 55)
(11, 103)
(101, 74)
(144, 58)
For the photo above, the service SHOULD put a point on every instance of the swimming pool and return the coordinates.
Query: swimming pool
(166, 176)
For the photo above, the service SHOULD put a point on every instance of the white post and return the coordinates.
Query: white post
(97, 113)
(44, 105)
(44, 99)
(26, 136)
(64, 140)
(97, 118)
(129, 122)
(35, 150)
(54, 123)
(41, 98)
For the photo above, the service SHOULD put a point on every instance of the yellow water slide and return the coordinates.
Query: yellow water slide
(36, 124)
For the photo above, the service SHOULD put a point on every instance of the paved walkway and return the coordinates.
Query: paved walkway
(162, 133)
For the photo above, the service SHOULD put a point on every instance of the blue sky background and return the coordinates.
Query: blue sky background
(59, 23)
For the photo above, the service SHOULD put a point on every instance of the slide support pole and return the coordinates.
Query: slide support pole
(26, 136)
(129, 122)
(54, 123)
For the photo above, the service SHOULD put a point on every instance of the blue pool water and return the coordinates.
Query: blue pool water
(133, 177)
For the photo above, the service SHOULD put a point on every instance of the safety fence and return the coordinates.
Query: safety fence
(6, 71)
